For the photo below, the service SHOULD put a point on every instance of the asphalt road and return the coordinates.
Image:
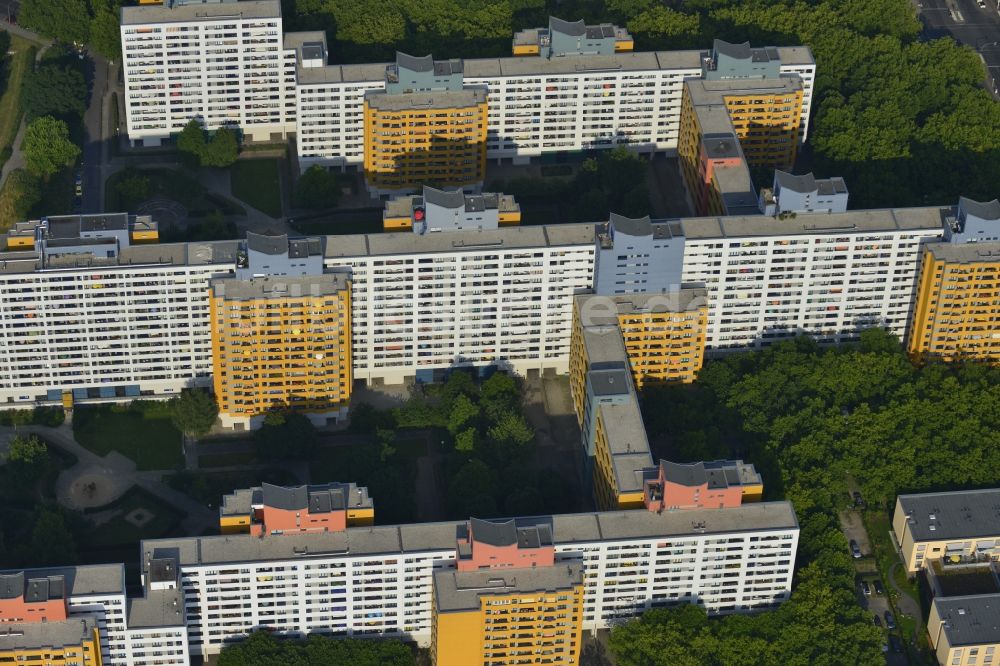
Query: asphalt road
(970, 24)
(94, 153)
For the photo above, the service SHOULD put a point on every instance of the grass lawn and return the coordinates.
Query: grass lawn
(256, 182)
(180, 185)
(15, 68)
(209, 487)
(141, 431)
(120, 532)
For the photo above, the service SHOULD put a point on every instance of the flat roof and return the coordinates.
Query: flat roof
(603, 344)
(852, 221)
(426, 99)
(965, 253)
(165, 13)
(40, 635)
(276, 286)
(953, 515)
(688, 298)
(626, 437)
(159, 608)
(84, 580)
(425, 537)
(715, 91)
(461, 590)
(970, 620)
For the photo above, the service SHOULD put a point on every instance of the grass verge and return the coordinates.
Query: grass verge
(141, 431)
(162, 521)
(15, 70)
(255, 182)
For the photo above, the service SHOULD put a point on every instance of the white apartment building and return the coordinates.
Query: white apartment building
(223, 62)
(424, 303)
(828, 276)
(536, 105)
(96, 591)
(121, 327)
(378, 580)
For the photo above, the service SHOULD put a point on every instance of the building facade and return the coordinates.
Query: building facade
(952, 528)
(963, 630)
(281, 333)
(380, 581)
(437, 210)
(956, 313)
(223, 63)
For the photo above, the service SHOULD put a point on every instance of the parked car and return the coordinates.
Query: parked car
(877, 584)
(855, 550)
(866, 588)
(877, 620)
(897, 645)
(890, 620)
(858, 499)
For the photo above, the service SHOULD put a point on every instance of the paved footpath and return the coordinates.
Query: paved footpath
(199, 518)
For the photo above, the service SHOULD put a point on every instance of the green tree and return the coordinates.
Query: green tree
(463, 413)
(511, 428)
(222, 150)
(27, 452)
(498, 394)
(133, 188)
(386, 439)
(51, 541)
(63, 20)
(105, 31)
(20, 193)
(194, 412)
(466, 440)
(47, 147)
(191, 141)
(286, 435)
(54, 90)
(262, 648)
(317, 188)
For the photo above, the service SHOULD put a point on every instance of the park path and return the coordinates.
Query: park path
(16, 160)
(122, 471)
(904, 602)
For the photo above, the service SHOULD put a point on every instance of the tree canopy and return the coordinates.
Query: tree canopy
(54, 90)
(219, 151)
(263, 649)
(812, 420)
(317, 188)
(62, 20)
(194, 412)
(47, 146)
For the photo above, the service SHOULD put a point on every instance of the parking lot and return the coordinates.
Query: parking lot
(873, 593)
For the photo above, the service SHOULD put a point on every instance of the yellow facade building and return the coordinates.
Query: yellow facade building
(509, 616)
(71, 642)
(281, 343)
(424, 127)
(957, 313)
(963, 631)
(949, 528)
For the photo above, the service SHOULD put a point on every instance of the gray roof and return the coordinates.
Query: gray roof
(12, 585)
(571, 28)
(317, 498)
(631, 226)
(834, 185)
(418, 538)
(84, 580)
(606, 381)
(965, 253)
(41, 635)
(461, 590)
(970, 620)
(509, 532)
(159, 608)
(854, 221)
(445, 198)
(987, 210)
(426, 99)
(738, 51)
(626, 437)
(236, 289)
(689, 297)
(200, 11)
(162, 570)
(956, 515)
(415, 63)
(267, 244)
(803, 184)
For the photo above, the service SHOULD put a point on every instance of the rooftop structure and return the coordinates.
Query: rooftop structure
(450, 210)
(271, 509)
(803, 194)
(716, 484)
(567, 38)
(974, 222)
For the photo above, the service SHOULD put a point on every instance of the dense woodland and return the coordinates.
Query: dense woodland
(903, 120)
(812, 420)
(262, 649)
